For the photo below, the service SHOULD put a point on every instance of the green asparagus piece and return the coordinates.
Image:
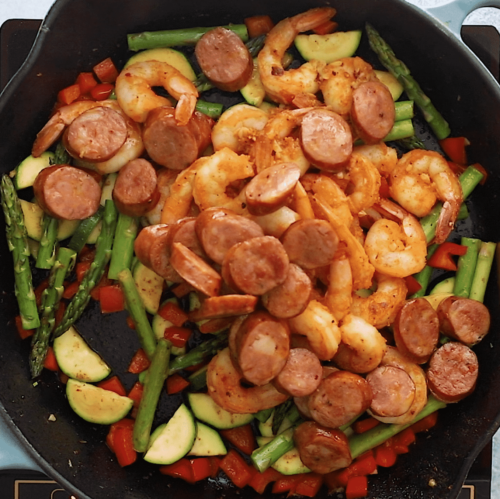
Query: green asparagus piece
(82, 233)
(463, 212)
(51, 297)
(157, 374)
(200, 353)
(93, 275)
(61, 156)
(482, 272)
(404, 110)
(399, 70)
(400, 130)
(212, 109)
(47, 249)
(123, 245)
(424, 276)
(264, 414)
(137, 311)
(198, 379)
(268, 454)
(279, 414)
(466, 266)
(18, 246)
(176, 37)
(411, 143)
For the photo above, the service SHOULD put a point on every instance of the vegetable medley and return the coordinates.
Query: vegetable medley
(276, 258)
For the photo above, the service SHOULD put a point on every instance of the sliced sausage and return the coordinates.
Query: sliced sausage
(326, 139)
(393, 391)
(290, 298)
(269, 189)
(372, 111)
(136, 192)
(258, 265)
(453, 371)
(96, 135)
(184, 232)
(195, 270)
(218, 307)
(262, 344)
(416, 330)
(224, 59)
(219, 229)
(301, 375)
(322, 449)
(310, 243)
(175, 146)
(340, 397)
(67, 193)
(464, 319)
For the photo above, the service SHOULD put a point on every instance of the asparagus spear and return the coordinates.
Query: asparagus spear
(401, 130)
(93, 275)
(279, 414)
(404, 110)
(18, 245)
(268, 454)
(466, 266)
(82, 233)
(482, 272)
(123, 245)
(398, 69)
(212, 109)
(50, 300)
(412, 142)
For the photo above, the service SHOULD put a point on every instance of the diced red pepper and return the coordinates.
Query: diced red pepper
(39, 291)
(385, 455)
(326, 28)
(258, 25)
(140, 362)
(176, 383)
(81, 269)
(454, 147)
(61, 308)
(50, 362)
(136, 392)
(214, 465)
(70, 290)
(87, 254)
(236, 468)
(113, 384)
(23, 333)
(106, 71)
(86, 82)
(178, 336)
(102, 91)
(242, 437)
(401, 441)
(412, 285)
(95, 293)
(214, 325)
(425, 423)
(309, 484)
(179, 469)
(111, 299)
(286, 484)
(130, 322)
(123, 423)
(182, 289)
(483, 170)
(365, 424)
(363, 465)
(260, 481)
(171, 311)
(357, 487)
(123, 445)
(456, 168)
(442, 257)
(195, 368)
(69, 94)
(202, 468)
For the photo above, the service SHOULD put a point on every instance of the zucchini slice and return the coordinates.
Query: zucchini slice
(159, 324)
(289, 463)
(391, 82)
(29, 168)
(149, 285)
(253, 92)
(328, 48)
(208, 442)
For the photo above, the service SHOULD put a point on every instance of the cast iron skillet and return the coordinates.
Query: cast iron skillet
(79, 33)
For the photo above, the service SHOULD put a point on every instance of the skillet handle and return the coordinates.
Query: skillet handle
(453, 13)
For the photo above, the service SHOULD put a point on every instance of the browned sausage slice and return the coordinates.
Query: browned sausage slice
(290, 298)
(301, 375)
(218, 307)
(136, 192)
(67, 193)
(224, 59)
(416, 330)
(184, 232)
(393, 391)
(219, 229)
(269, 189)
(326, 139)
(258, 265)
(195, 270)
(262, 344)
(340, 397)
(372, 111)
(310, 243)
(96, 135)
(464, 319)
(453, 371)
(322, 449)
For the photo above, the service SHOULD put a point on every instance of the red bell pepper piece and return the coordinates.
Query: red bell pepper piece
(139, 362)
(357, 487)
(70, 290)
(425, 423)
(178, 336)
(172, 312)
(106, 71)
(483, 170)
(123, 446)
(442, 257)
(363, 465)
(23, 333)
(412, 285)
(86, 82)
(365, 424)
(136, 392)
(110, 437)
(309, 484)
(236, 468)
(401, 441)
(39, 291)
(81, 269)
(201, 467)
(182, 289)
(454, 148)
(113, 384)
(286, 484)
(69, 94)
(179, 469)
(111, 299)
(130, 322)
(61, 308)
(50, 362)
(258, 25)
(176, 383)
(242, 437)
(385, 455)
(95, 293)
(102, 91)
(260, 481)
(214, 465)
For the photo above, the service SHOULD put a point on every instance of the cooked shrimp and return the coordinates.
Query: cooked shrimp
(396, 249)
(338, 296)
(362, 346)
(340, 78)
(223, 383)
(281, 85)
(419, 180)
(237, 128)
(320, 327)
(383, 157)
(215, 175)
(166, 179)
(134, 92)
(380, 308)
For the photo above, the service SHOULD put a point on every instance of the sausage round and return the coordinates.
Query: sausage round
(290, 298)
(453, 371)
(218, 307)
(184, 232)
(392, 389)
(322, 449)
(301, 374)
(67, 193)
(464, 319)
(136, 192)
(224, 59)
(310, 243)
(416, 330)
(372, 111)
(269, 189)
(257, 265)
(262, 345)
(96, 135)
(340, 397)
(326, 139)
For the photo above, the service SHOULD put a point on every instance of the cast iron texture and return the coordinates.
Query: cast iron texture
(79, 33)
